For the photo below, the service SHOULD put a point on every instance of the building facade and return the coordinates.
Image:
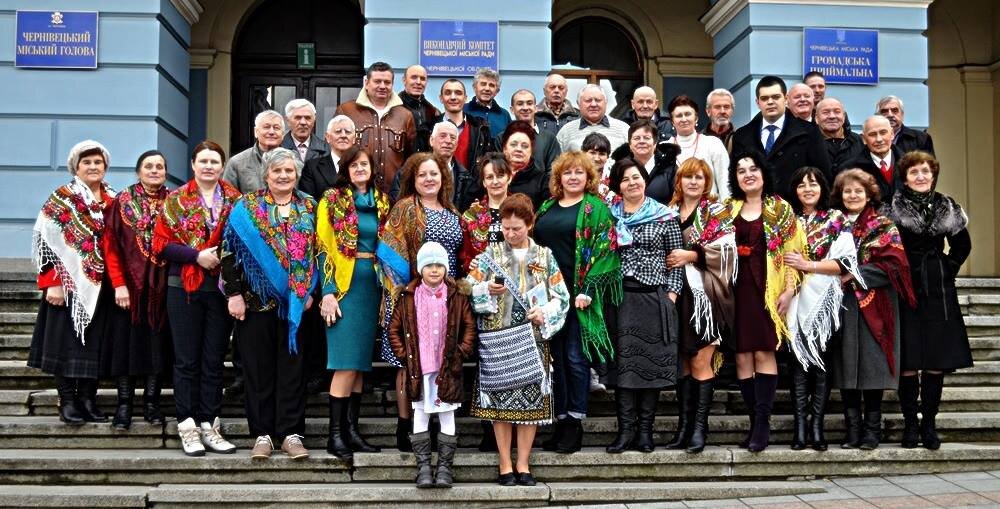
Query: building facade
(173, 72)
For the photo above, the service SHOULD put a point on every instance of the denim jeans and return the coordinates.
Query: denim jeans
(571, 370)
(201, 325)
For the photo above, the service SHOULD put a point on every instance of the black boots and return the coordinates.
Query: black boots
(123, 415)
(353, 438)
(873, 419)
(489, 440)
(647, 414)
(403, 428)
(852, 421)
(820, 395)
(764, 388)
(69, 412)
(686, 393)
(703, 406)
(931, 386)
(909, 390)
(800, 405)
(151, 401)
(625, 406)
(86, 391)
(421, 443)
(446, 455)
(335, 443)
(750, 400)
(550, 443)
(571, 439)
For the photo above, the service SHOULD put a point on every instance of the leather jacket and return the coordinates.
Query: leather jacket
(389, 140)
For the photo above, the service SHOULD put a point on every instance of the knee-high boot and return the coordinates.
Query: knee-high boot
(800, 405)
(335, 443)
(703, 406)
(764, 388)
(86, 393)
(909, 391)
(931, 386)
(151, 401)
(625, 408)
(873, 419)
(123, 414)
(750, 400)
(852, 418)
(69, 412)
(353, 436)
(686, 391)
(821, 394)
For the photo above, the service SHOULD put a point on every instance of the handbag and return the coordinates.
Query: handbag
(508, 357)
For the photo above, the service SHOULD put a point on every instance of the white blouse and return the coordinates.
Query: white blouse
(711, 150)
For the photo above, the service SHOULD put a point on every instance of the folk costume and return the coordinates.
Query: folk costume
(137, 342)
(645, 324)
(67, 250)
(348, 227)
(583, 240)
(866, 358)
(269, 260)
(480, 228)
(933, 334)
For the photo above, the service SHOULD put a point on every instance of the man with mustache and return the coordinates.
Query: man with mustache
(720, 106)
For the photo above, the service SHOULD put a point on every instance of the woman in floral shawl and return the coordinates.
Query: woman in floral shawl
(66, 248)
(865, 361)
(423, 213)
(269, 273)
(481, 223)
(814, 313)
(579, 229)
(766, 230)
(137, 342)
(706, 304)
(351, 216)
(188, 235)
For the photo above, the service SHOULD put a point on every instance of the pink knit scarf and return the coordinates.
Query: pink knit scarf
(432, 321)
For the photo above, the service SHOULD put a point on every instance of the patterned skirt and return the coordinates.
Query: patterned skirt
(528, 405)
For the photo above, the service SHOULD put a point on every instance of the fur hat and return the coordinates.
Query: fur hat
(80, 148)
(430, 253)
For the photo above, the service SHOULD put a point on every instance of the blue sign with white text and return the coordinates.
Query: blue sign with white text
(458, 48)
(843, 56)
(56, 39)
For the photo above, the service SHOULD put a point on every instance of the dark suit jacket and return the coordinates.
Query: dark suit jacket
(843, 152)
(545, 151)
(887, 189)
(799, 144)
(317, 146)
(911, 139)
(480, 141)
(318, 175)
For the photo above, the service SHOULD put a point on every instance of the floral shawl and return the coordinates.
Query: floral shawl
(185, 221)
(67, 237)
(712, 233)
(130, 228)
(337, 233)
(814, 313)
(277, 255)
(598, 272)
(879, 244)
(398, 243)
(782, 234)
(475, 232)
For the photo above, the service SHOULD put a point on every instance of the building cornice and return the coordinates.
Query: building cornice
(720, 14)
(190, 9)
(202, 58)
(693, 67)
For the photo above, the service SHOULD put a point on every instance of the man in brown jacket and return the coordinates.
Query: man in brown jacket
(384, 126)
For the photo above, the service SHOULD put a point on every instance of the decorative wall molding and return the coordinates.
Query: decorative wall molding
(693, 67)
(202, 58)
(190, 9)
(725, 10)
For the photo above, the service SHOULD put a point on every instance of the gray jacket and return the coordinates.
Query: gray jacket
(246, 170)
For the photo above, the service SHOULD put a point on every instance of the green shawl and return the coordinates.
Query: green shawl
(598, 272)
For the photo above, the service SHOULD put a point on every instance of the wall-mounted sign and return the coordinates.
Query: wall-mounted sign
(458, 48)
(56, 39)
(843, 55)
(306, 55)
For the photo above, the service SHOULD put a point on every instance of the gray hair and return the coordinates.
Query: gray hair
(720, 92)
(440, 125)
(591, 86)
(338, 119)
(485, 72)
(875, 118)
(266, 114)
(295, 104)
(887, 99)
(276, 156)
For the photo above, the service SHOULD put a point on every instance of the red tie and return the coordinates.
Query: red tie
(886, 171)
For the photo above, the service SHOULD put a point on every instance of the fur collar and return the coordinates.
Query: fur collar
(927, 213)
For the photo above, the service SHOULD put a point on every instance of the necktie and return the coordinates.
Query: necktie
(886, 171)
(303, 150)
(770, 138)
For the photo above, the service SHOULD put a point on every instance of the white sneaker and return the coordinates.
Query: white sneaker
(211, 436)
(190, 438)
(595, 382)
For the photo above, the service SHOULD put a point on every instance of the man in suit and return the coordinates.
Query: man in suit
(300, 114)
(880, 156)
(320, 173)
(546, 148)
(788, 143)
(904, 138)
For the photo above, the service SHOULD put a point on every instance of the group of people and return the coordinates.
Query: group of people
(536, 247)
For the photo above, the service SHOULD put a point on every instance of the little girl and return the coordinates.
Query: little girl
(431, 333)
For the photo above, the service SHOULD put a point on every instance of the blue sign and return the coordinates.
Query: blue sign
(56, 39)
(842, 55)
(458, 48)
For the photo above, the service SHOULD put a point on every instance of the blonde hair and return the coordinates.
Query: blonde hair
(690, 167)
(569, 160)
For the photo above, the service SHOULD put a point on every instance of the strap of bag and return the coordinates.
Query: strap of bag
(507, 281)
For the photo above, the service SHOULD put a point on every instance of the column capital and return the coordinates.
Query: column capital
(694, 67)
(190, 9)
(202, 58)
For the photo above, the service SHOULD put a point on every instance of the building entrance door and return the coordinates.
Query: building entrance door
(266, 74)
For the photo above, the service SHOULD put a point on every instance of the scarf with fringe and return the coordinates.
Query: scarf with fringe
(277, 254)
(337, 231)
(598, 272)
(879, 244)
(130, 223)
(714, 230)
(476, 231)
(185, 221)
(67, 237)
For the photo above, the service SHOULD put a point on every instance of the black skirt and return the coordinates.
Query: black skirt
(645, 339)
(55, 347)
(129, 349)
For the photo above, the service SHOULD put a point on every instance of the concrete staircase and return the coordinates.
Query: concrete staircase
(48, 464)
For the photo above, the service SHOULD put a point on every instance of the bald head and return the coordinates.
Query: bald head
(800, 101)
(555, 91)
(415, 80)
(877, 134)
(830, 117)
(644, 103)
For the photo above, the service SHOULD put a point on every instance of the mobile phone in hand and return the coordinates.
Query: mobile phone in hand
(498, 280)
